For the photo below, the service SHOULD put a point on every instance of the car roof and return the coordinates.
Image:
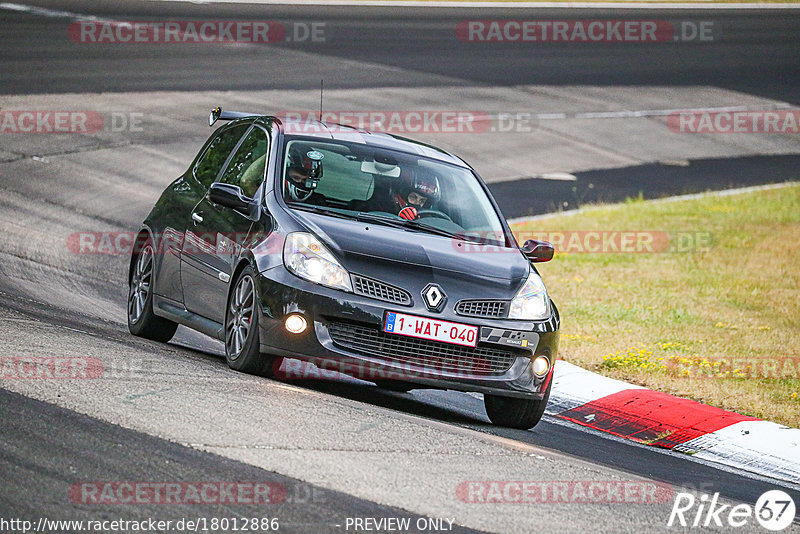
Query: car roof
(339, 132)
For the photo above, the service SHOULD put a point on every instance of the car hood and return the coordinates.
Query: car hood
(396, 255)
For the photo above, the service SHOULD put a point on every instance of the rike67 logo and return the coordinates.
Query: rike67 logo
(774, 510)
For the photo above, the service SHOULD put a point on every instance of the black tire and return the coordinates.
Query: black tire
(515, 413)
(391, 385)
(142, 321)
(242, 350)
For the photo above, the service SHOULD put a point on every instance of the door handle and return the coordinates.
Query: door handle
(197, 218)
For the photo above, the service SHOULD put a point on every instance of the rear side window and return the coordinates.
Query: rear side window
(246, 168)
(210, 163)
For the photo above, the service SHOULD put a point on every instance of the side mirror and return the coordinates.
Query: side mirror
(538, 251)
(228, 195)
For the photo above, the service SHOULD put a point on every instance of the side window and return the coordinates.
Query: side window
(246, 168)
(211, 161)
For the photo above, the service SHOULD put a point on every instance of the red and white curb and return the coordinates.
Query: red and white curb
(661, 420)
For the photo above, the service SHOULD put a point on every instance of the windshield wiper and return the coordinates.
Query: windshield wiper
(405, 223)
(379, 219)
(432, 229)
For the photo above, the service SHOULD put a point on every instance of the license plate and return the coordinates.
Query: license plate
(433, 329)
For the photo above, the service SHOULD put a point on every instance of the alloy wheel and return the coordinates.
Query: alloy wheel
(240, 316)
(140, 284)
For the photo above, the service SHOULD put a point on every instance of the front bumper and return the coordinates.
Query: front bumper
(282, 293)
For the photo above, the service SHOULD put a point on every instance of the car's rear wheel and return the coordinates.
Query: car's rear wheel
(515, 413)
(141, 319)
(242, 349)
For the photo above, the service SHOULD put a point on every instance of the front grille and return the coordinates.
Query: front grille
(371, 341)
(483, 308)
(368, 287)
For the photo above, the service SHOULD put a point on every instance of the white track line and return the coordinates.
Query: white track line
(50, 13)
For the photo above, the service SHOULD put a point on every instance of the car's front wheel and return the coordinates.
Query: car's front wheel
(142, 321)
(242, 349)
(514, 412)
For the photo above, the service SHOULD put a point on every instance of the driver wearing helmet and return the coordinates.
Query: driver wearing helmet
(303, 172)
(423, 192)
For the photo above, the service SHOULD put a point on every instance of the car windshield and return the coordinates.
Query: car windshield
(362, 182)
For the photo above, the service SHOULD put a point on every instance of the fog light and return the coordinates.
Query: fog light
(295, 323)
(541, 365)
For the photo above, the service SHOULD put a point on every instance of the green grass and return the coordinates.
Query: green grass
(720, 324)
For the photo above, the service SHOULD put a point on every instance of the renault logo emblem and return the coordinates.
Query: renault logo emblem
(434, 297)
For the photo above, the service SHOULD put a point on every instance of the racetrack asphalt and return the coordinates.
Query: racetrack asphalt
(373, 453)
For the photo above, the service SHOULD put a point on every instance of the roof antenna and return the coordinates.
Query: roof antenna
(320, 99)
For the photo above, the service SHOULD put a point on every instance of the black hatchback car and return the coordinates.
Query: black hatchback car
(359, 252)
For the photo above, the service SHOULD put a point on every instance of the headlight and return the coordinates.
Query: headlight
(531, 302)
(306, 257)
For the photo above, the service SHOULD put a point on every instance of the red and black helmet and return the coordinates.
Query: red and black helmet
(425, 182)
